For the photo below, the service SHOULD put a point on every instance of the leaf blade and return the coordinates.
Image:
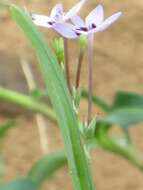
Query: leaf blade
(61, 100)
(21, 183)
(47, 166)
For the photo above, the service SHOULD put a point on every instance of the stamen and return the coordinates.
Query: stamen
(93, 25)
(77, 33)
(85, 29)
(50, 23)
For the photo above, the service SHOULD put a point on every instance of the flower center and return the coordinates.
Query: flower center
(93, 25)
(84, 29)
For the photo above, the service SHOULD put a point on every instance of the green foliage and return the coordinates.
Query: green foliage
(59, 49)
(83, 42)
(26, 102)
(118, 146)
(61, 100)
(47, 166)
(127, 100)
(125, 116)
(76, 93)
(126, 109)
(4, 128)
(89, 130)
(38, 93)
(21, 183)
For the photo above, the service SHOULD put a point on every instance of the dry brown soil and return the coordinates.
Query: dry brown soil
(118, 65)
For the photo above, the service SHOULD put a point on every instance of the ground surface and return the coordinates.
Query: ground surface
(118, 65)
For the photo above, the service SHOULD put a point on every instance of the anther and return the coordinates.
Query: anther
(77, 33)
(50, 23)
(93, 25)
(85, 29)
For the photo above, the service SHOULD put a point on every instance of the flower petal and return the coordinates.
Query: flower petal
(77, 21)
(96, 16)
(41, 20)
(57, 11)
(74, 10)
(66, 30)
(110, 20)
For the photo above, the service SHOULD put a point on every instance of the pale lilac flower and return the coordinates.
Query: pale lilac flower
(94, 22)
(57, 19)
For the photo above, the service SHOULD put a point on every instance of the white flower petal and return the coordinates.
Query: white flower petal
(66, 30)
(77, 21)
(110, 20)
(57, 11)
(74, 10)
(41, 20)
(96, 16)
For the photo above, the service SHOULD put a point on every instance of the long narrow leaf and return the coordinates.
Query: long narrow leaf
(61, 100)
(127, 100)
(125, 116)
(5, 127)
(47, 166)
(21, 183)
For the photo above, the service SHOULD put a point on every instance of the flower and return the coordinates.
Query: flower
(94, 22)
(57, 19)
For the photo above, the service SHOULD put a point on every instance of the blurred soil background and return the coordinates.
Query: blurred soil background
(118, 66)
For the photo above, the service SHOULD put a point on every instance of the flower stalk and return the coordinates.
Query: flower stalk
(66, 63)
(90, 77)
(79, 66)
(27, 102)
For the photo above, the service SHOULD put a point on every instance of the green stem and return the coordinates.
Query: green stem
(126, 151)
(47, 166)
(50, 164)
(90, 77)
(79, 65)
(66, 59)
(26, 102)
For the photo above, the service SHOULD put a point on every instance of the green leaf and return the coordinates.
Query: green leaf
(76, 98)
(47, 166)
(61, 100)
(126, 132)
(127, 99)
(59, 49)
(4, 128)
(37, 93)
(21, 183)
(83, 42)
(119, 147)
(125, 116)
(89, 130)
(127, 109)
